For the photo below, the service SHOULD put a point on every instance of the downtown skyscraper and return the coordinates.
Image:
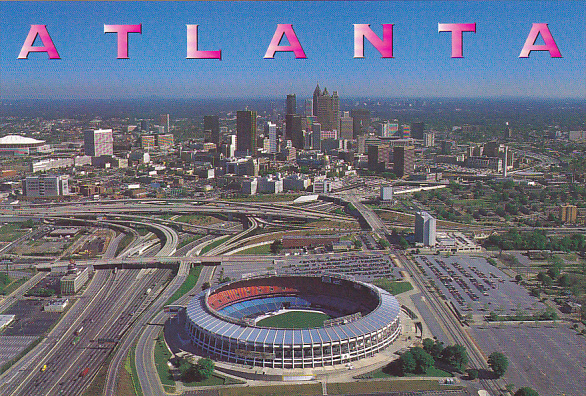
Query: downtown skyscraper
(246, 132)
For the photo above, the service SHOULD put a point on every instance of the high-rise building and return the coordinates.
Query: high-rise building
(316, 94)
(291, 104)
(346, 126)
(98, 142)
(394, 128)
(429, 139)
(211, 123)
(294, 130)
(308, 107)
(361, 121)
(271, 132)
(327, 110)
(46, 186)
(568, 213)
(246, 132)
(147, 142)
(165, 140)
(316, 136)
(164, 122)
(144, 125)
(378, 157)
(425, 231)
(406, 131)
(417, 130)
(403, 160)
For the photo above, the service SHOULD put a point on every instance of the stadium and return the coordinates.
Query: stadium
(290, 322)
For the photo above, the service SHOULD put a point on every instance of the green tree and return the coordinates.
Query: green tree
(423, 360)
(407, 363)
(472, 374)
(205, 368)
(498, 363)
(276, 246)
(456, 355)
(526, 391)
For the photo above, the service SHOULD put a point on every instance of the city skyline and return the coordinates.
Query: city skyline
(421, 67)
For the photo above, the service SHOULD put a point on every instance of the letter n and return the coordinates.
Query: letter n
(384, 46)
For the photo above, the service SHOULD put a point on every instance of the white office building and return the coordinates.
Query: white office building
(46, 186)
(425, 231)
(272, 133)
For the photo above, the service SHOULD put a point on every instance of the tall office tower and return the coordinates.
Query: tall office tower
(308, 107)
(211, 123)
(98, 142)
(294, 130)
(316, 94)
(291, 104)
(316, 136)
(231, 146)
(417, 130)
(144, 125)
(346, 126)
(425, 228)
(165, 140)
(429, 139)
(394, 128)
(383, 129)
(246, 132)
(378, 157)
(164, 122)
(271, 132)
(327, 109)
(404, 161)
(406, 131)
(568, 213)
(508, 132)
(361, 118)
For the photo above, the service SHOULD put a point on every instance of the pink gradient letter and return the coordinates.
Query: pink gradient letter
(193, 52)
(123, 31)
(384, 46)
(549, 45)
(456, 29)
(287, 30)
(47, 47)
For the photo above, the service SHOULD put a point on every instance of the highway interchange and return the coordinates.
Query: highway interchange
(124, 308)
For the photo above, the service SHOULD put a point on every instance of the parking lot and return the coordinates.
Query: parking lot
(363, 266)
(11, 346)
(548, 358)
(30, 319)
(475, 286)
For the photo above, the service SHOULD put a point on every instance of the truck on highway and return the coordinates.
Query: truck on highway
(43, 368)
(78, 331)
(84, 372)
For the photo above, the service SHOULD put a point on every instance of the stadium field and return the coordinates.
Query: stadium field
(295, 320)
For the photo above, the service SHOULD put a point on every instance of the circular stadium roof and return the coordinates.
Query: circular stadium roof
(200, 312)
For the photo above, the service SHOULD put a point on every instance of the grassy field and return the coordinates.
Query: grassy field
(351, 388)
(263, 249)
(275, 390)
(214, 244)
(188, 240)
(11, 232)
(295, 320)
(162, 355)
(187, 285)
(393, 287)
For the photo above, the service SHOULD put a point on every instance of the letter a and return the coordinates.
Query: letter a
(48, 46)
(384, 46)
(295, 47)
(549, 45)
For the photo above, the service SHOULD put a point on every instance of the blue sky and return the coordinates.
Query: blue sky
(421, 67)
